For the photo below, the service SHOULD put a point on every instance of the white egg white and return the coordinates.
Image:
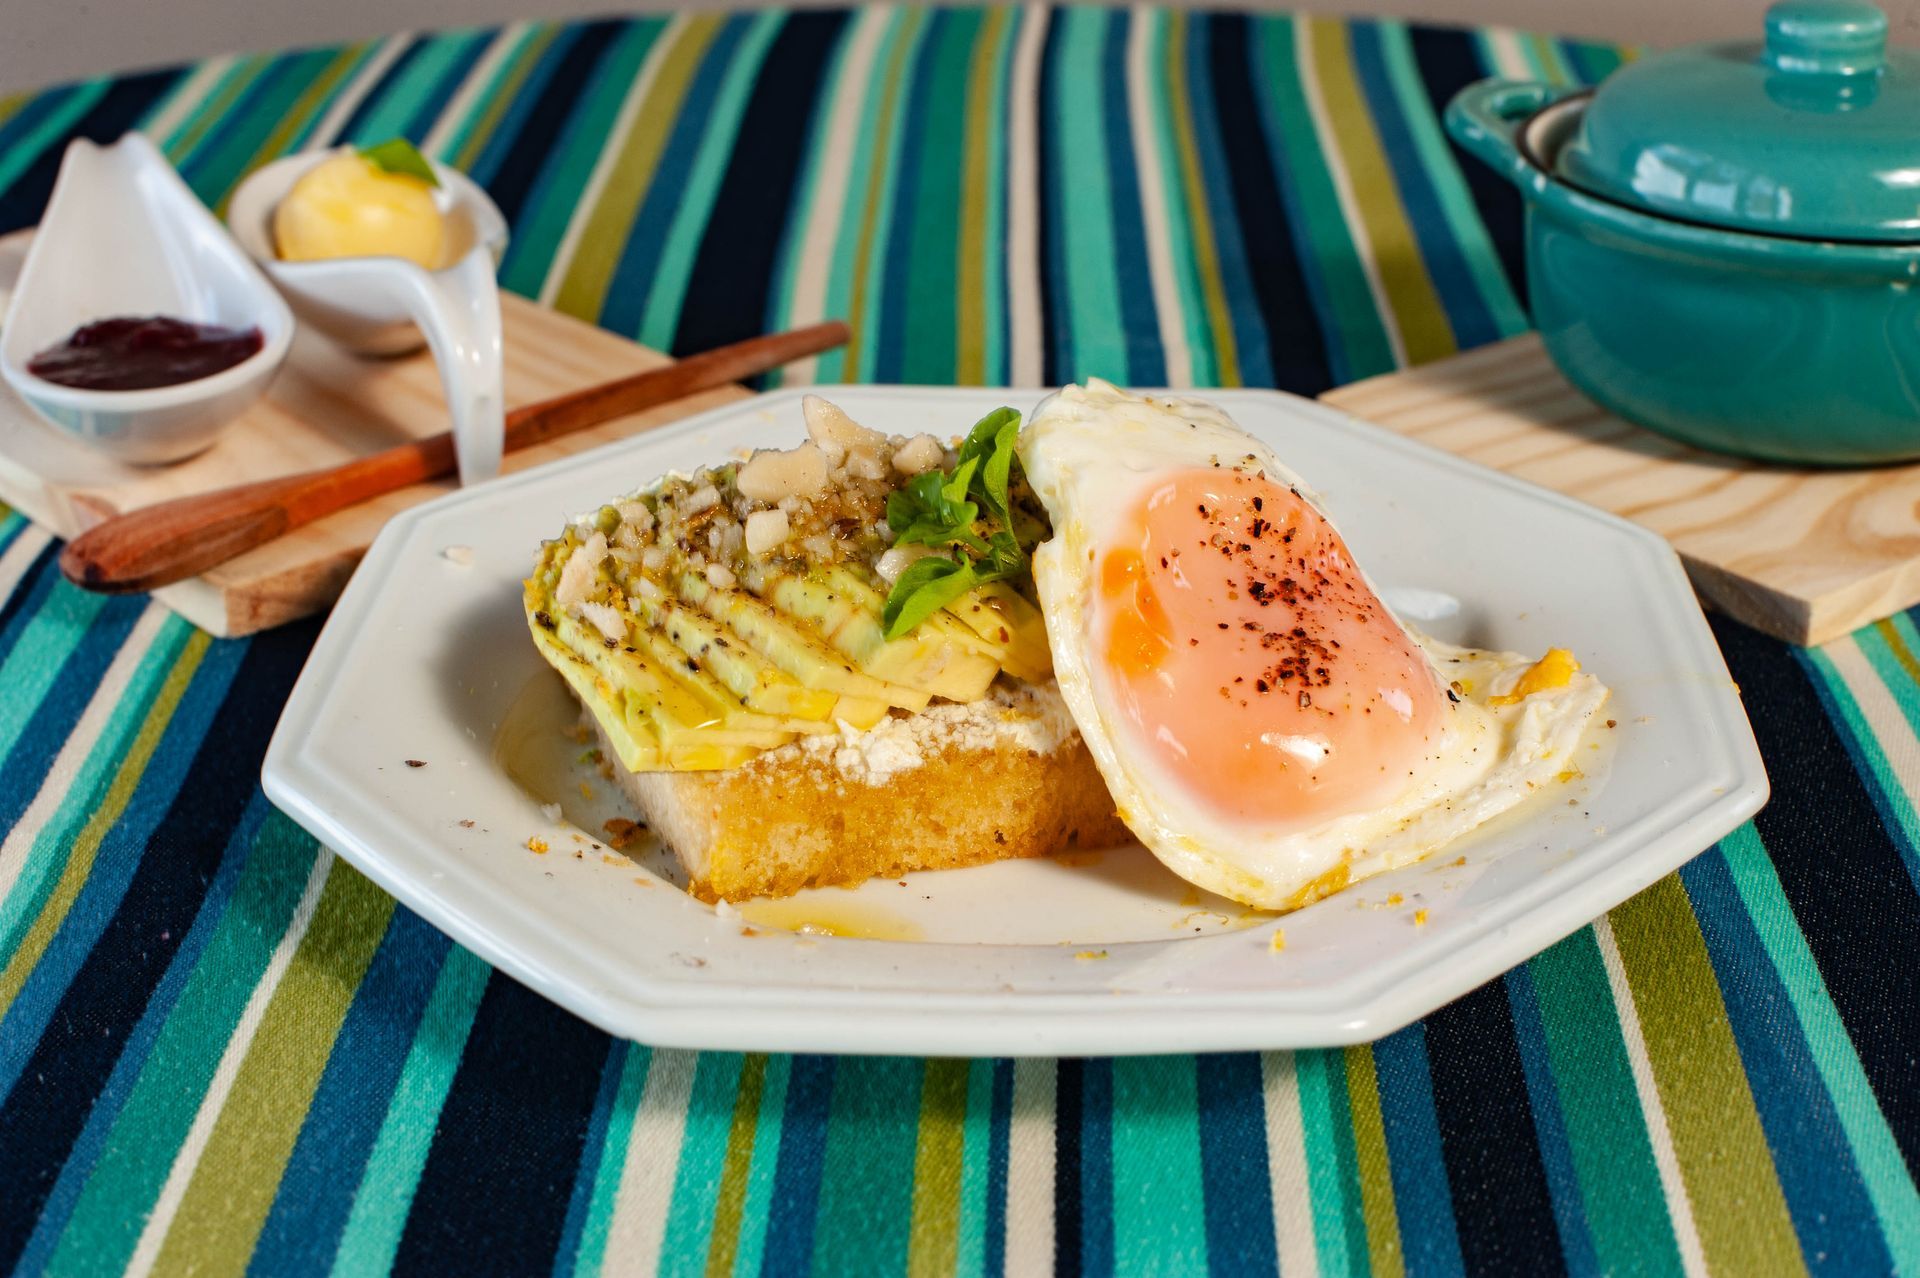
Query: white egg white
(1089, 454)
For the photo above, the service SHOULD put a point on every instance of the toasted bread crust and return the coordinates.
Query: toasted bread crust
(793, 819)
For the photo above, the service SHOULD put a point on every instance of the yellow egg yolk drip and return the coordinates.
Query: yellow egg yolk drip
(1555, 670)
(1252, 660)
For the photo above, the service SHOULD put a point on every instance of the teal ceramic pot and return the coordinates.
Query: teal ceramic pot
(1723, 242)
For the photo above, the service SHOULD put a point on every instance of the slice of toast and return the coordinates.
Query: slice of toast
(953, 785)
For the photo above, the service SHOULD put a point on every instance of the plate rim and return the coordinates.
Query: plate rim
(654, 1006)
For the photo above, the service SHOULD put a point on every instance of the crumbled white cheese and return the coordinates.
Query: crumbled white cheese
(1030, 717)
(720, 577)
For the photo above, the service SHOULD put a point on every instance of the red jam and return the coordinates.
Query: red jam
(140, 352)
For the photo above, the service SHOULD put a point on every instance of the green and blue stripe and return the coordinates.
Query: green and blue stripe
(202, 1013)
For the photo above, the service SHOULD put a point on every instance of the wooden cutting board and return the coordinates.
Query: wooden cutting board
(325, 407)
(1804, 555)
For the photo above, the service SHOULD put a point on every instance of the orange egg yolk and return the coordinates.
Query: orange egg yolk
(1252, 661)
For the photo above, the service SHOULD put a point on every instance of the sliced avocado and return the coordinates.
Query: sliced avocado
(636, 747)
(678, 712)
(758, 683)
(859, 712)
(999, 613)
(693, 678)
(994, 643)
(843, 609)
(789, 646)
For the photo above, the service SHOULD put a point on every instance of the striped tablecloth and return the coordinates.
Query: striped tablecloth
(223, 1049)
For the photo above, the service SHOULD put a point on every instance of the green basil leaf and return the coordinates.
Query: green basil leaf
(966, 536)
(930, 499)
(954, 490)
(927, 586)
(924, 489)
(966, 512)
(903, 511)
(998, 473)
(980, 440)
(1005, 555)
(920, 532)
(933, 532)
(397, 155)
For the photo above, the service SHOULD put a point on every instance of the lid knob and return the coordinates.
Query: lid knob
(1830, 37)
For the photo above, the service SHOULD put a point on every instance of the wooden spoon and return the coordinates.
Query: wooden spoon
(158, 545)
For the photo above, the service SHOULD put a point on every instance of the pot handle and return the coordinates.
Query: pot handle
(1485, 118)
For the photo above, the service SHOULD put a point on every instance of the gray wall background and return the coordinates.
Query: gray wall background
(48, 41)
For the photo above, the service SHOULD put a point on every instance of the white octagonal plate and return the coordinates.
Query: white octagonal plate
(426, 658)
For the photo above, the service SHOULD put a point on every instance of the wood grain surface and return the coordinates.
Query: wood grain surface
(325, 407)
(1805, 555)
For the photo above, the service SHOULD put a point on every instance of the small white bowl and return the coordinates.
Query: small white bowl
(123, 235)
(388, 305)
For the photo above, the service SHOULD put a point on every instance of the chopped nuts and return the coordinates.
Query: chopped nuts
(896, 560)
(820, 504)
(771, 474)
(921, 453)
(766, 529)
(865, 462)
(604, 618)
(576, 578)
(835, 433)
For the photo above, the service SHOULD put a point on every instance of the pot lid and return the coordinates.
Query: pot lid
(1814, 133)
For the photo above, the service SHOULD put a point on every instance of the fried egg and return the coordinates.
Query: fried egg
(1267, 726)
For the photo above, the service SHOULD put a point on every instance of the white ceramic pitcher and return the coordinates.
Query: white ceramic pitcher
(387, 305)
